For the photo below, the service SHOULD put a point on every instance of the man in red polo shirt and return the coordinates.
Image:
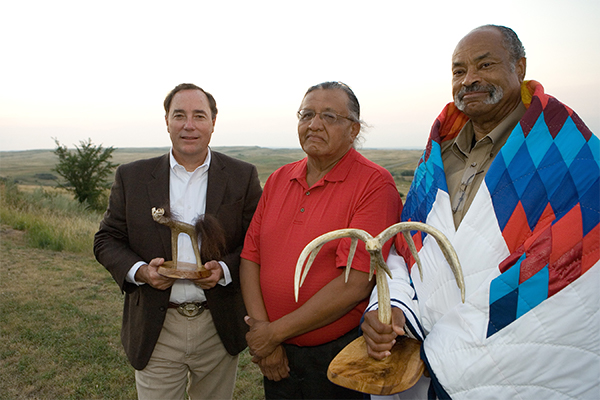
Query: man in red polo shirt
(334, 187)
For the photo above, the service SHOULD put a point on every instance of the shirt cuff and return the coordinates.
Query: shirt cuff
(226, 279)
(131, 274)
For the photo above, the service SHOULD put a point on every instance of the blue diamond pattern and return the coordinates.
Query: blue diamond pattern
(538, 144)
(569, 141)
(583, 169)
(521, 170)
(552, 169)
(506, 282)
(533, 291)
(565, 198)
(590, 208)
(504, 198)
(503, 312)
(534, 200)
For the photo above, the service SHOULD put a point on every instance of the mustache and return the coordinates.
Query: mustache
(475, 87)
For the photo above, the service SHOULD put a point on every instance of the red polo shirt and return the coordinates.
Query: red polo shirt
(356, 193)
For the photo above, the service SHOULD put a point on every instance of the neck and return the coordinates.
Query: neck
(317, 168)
(481, 127)
(190, 163)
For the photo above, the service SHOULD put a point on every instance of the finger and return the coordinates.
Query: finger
(378, 355)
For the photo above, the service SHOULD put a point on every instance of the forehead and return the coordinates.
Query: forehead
(480, 44)
(192, 99)
(326, 99)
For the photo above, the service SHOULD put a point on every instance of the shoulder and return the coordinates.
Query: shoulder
(363, 166)
(289, 171)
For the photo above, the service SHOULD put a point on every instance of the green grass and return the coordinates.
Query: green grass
(60, 311)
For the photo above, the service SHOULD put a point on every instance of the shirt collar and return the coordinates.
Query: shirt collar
(175, 165)
(338, 173)
(464, 139)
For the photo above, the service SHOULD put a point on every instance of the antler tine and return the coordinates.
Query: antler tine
(443, 242)
(315, 246)
(413, 251)
(353, 245)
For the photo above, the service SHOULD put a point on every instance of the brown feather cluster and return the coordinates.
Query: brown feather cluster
(212, 235)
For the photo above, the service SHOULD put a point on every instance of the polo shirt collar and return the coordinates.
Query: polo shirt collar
(337, 174)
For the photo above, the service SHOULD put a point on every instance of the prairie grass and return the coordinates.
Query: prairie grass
(60, 311)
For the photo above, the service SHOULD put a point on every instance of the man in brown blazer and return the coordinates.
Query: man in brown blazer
(180, 335)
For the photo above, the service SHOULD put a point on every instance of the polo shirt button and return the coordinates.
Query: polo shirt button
(302, 209)
(308, 193)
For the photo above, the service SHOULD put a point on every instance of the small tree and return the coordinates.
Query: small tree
(86, 171)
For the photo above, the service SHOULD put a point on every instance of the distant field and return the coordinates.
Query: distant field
(35, 167)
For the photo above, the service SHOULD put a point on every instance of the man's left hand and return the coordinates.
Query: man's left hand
(216, 274)
(260, 339)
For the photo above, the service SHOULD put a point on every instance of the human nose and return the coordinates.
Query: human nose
(189, 124)
(471, 76)
(316, 123)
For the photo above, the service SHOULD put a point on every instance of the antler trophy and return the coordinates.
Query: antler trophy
(352, 367)
(180, 269)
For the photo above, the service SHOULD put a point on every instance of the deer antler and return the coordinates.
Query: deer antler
(374, 247)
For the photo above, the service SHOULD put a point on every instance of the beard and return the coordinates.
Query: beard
(495, 94)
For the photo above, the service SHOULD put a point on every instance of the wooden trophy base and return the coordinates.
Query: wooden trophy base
(352, 368)
(182, 270)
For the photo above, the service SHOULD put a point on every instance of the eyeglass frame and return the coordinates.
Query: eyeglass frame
(320, 114)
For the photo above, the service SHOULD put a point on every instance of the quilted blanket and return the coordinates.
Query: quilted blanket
(529, 246)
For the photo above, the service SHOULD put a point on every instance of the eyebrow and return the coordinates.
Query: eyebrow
(479, 58)
(193, 112)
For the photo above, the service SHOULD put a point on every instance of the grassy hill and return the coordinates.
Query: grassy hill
(60, 311)
(35, 167)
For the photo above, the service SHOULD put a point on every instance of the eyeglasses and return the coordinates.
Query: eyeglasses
(329, 117)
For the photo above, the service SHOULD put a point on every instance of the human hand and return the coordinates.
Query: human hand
(275, 366)
(380, 338)
(260, 338)
(216, 274)
(148, 273)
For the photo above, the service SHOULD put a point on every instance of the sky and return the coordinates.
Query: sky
(79, 70)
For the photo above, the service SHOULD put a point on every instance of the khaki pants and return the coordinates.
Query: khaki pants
(189, 356)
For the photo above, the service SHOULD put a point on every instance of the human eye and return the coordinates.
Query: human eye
(329, 117)
(458, 71)
(200, 117)
(306, 115)
(177, 115)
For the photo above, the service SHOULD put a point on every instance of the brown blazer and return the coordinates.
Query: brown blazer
(128, 234)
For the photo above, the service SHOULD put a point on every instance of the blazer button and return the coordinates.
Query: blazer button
(163, 309)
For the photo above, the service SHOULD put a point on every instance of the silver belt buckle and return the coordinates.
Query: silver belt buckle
(190, 309)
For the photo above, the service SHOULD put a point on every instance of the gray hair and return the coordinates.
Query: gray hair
(511, 42)
(353, 105)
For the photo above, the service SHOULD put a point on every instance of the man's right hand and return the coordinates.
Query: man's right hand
(275, 366)
(380, 338)
(148, 273)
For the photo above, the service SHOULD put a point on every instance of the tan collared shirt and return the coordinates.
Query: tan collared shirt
(466, 162)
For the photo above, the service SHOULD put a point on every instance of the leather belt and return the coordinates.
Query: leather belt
(190, 309)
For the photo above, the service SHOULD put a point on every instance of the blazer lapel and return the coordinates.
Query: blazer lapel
(158, 193)
(217, 183)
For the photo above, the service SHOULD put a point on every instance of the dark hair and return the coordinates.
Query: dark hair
(190, 86)
(353, 105)
(511, 42)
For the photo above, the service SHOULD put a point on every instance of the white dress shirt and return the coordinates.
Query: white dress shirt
(187, 195)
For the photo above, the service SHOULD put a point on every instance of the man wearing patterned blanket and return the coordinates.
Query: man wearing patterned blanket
(511, 176)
